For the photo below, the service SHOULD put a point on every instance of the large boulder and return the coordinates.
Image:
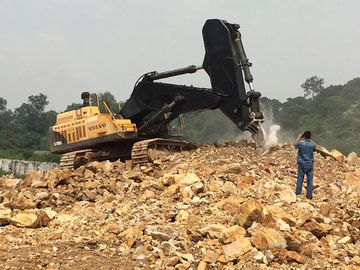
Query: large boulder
(337, 155)
(229, 187)
(267, 238)
(55, 177)
(236, 248)
(288, 196)
(250, 211)
(352, 181)
(11, 183)
(5, 216)
(353, 159)
(318, 229)
(187, 179)
(30, 219)
(20, 201)
(233, 233)
(32, 176)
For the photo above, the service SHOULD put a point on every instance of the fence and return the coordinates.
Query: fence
(21, 167)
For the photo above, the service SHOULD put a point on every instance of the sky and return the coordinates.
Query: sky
(62, 48)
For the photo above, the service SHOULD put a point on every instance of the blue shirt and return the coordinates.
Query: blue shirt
(306, 151)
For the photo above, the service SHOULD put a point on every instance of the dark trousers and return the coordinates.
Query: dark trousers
(305, 169)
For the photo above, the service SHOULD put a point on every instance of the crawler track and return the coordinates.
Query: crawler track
(67, 160)
(142, 152)
(149, 150)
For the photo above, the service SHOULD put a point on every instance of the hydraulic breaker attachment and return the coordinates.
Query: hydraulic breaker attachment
(225, 62)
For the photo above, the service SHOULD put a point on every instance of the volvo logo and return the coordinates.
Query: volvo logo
(102, 125)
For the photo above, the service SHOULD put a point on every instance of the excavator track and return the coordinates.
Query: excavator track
(150, 150)
(67, 160)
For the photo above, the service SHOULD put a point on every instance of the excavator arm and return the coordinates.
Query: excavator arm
(226, 64)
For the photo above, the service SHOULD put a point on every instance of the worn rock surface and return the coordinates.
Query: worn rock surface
(218, 207)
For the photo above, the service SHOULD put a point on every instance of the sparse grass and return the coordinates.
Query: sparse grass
(19, 176)
(28, 154)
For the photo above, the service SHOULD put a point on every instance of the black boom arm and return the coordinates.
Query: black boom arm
(225, 61)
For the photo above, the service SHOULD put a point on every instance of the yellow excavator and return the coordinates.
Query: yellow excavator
(142, 130)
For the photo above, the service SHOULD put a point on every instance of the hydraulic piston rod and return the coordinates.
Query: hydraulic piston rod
(244, 61)
(152, 76)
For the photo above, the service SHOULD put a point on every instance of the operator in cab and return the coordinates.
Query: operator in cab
(305, 161)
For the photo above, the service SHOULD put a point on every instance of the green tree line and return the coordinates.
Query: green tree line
(24, 130)
(332, 114)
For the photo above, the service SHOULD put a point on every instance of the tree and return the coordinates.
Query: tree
(110, 100)
(73, 106)
(38, 102)
(31, 115)
(3, 104)
(313, 86)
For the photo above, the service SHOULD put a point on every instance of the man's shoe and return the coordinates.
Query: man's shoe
(300, 197)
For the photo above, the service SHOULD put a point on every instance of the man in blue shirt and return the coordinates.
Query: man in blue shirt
(305, 160)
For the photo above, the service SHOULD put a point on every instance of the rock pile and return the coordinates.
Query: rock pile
(218, 207)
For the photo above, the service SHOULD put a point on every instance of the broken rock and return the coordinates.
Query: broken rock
(54, 177)
(11, 183)
(318, 229)
(19, 201)
(187, 179)
(213, 230)
(353, 159)
(202, 266)
(337, 155)
(5, 216)
(267, 238)
(210, 256)
(171, 190)
(344, 240)
(229, 188)
(249, 212)
(288, 196)
(237, 248)
(296, 256)
(114, 228)
(161, 233)
(30, 219)
(233, 233)
(32, 176)
(232, 168)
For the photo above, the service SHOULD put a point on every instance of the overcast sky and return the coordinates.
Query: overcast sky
(61, 48)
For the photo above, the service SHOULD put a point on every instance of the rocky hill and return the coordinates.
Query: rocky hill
(219, 207)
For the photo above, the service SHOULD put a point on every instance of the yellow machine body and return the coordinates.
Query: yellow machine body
(87, 127)
(88, 123)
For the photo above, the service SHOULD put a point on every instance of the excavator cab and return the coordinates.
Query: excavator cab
(176, 127)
